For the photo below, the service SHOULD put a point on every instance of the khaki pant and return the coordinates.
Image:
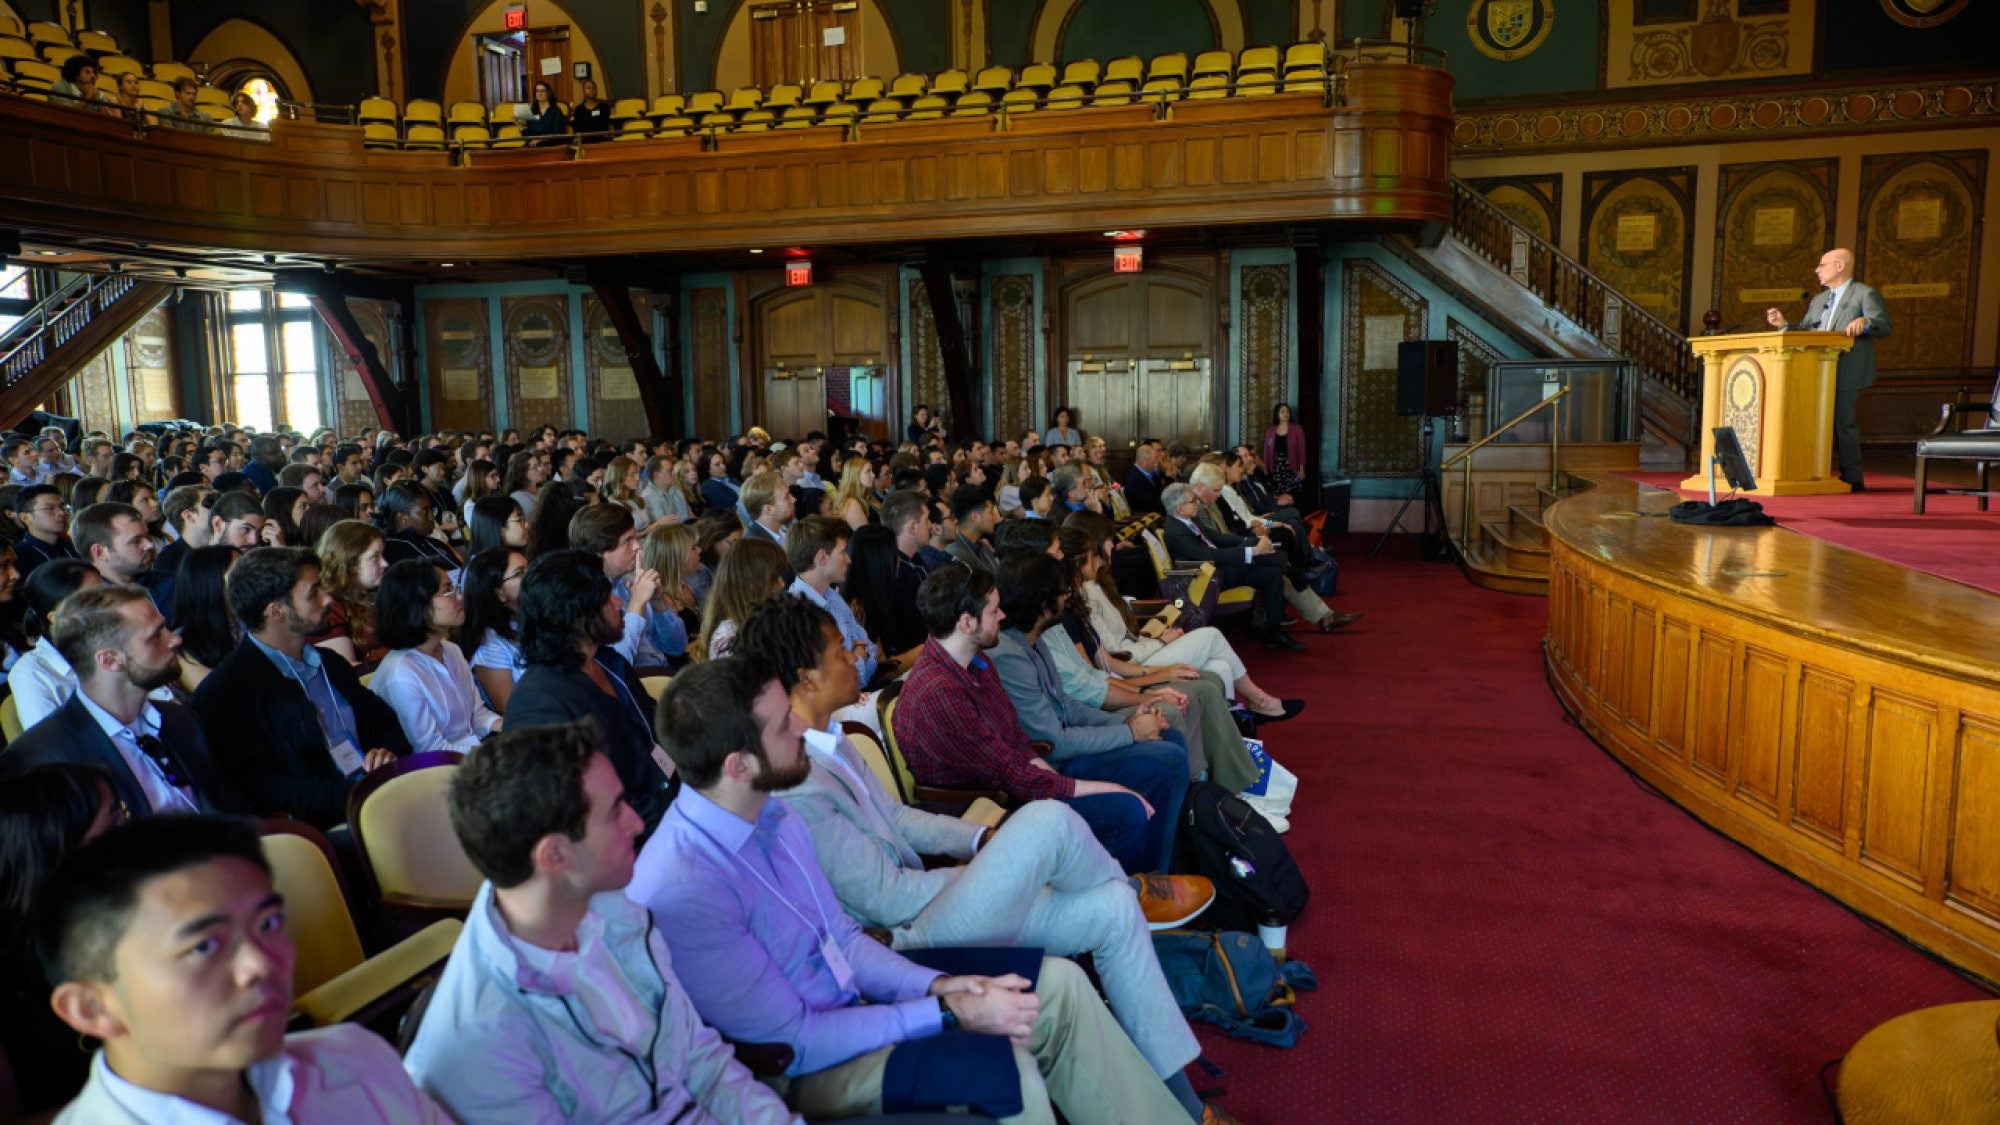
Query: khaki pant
(1078, 1058)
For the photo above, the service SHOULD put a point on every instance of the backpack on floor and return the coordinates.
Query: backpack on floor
(1233, 846)
(1230, 980)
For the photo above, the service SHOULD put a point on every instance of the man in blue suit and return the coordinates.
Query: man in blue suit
(1845, 305)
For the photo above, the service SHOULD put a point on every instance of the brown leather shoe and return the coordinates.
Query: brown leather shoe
(1335, 620)
(1173, 900)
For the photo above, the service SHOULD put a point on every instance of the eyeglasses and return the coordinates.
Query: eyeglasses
(47, 510)
(162, 759)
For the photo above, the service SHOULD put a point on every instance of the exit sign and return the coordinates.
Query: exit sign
(1128, 259)
(798, 273)
(514, 19)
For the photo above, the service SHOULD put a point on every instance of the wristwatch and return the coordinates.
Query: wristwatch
(947, 1019)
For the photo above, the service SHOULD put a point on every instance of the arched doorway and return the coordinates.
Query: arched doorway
(1139, 356)
(822, 353)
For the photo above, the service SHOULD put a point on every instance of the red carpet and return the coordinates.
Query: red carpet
(1953, 539)
(1505, 926)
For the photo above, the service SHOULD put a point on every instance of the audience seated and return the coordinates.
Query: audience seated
(768, 505)
(208, 630)
(751, 573)
(569, 623)
(425, 677)
(153, 750)
(558, 984)
(166, 943)
(42, 680)
(670, 551)
(491, 590)
(817, 553)
(973, 510)
(293, 728)
(609, 532)
(236, 519)
(186, 510)
(44, 519)
(352, 556)
(768, 955)
(408, 516)
(1143, 480)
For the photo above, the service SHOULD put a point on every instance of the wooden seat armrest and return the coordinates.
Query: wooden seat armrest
(1146, 607)
(1951, 412)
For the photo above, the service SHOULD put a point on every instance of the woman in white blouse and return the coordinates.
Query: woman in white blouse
(425, 677)
(492, 589)
(1205, 648)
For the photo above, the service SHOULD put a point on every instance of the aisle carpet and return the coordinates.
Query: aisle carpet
(1953, 539)
(1506, 927)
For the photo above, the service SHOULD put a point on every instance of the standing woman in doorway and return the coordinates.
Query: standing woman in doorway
(544, 117)
(1284, 450)
(1062, 428)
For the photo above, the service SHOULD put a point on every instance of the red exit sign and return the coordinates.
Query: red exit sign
(514, 19)
(1128, 259)
(798, 273)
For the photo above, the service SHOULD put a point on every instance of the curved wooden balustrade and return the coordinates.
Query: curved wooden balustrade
(1836, 713)
(314, 190)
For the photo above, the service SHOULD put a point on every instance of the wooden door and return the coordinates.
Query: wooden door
(1138, 356)
(835, 40)
(549, 43)
(776, 37)
(823, 348)
(502, 69)
(805, 41)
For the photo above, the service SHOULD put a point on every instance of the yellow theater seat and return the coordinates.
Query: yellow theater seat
(1128, 69)
(42, 31)
(840, 113)
(216, 113)
(423, 136)
(1067, 97)
(1213, 62)
(96, 43)
(1112, 93)
(115, 65)
(211, 95)
(783, 97)
(11, 26)
(1172, 65)
(467, 113)
(12, 48)
(401, 824)
(717, 122)
(864, 90)
(1305, 56)
(378, 134)
(628, 109)
(927, 107)
(744, 98)
(1020, 101)
(1207, 86)
(423, 111)
(665, 106)
(674, 127)
(950, 83)
(154, 88)
(1082, 72)
(56, 54)
(1305, 79)
(797, 117)
(756, 121)
(637, 129)
(978, 103)
(171, 71)
(471, 135)
(823, 92)
(157, 105)
(1040, 77)
(994, 80)
(705, 102)
(10, 718)
(375, 109)
(1257, 60)
(909, 87)
(881, 110)
(1159, 90)
(508, 136)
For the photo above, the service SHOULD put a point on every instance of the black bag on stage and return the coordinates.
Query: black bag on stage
(1233, 846)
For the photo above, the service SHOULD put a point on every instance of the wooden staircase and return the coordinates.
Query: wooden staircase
(1512, 554)
(65, 331)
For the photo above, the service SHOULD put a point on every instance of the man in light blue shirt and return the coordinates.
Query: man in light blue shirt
(816, 550)
(770, 956)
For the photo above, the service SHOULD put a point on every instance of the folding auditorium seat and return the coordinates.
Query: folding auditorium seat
(422, 111)
(1019, 101)
(882, 110)
(864, 90)
(1127, 69)
(466, 113)
(1213, 62)
(995, 80)
(629, 109)
(56, 54)
(926, 108)
(634, 129)
(1305, 66)
(114, 65)
(375, 110)
(96, 44)
(950, 83)
(211, 95)
(783, 97)
(797, 117)
(1159, 90)
(154, 88)
(717, 122)
(423, 136)
(13, 47)
(471, 134)
(1112, 93)
(1082, 72)
(508, 136)
(756, 121)
(1173, 65)
(402, 828)
(1257, 71)
(976, 103)
(34, 74)
(743, 99)
(825, 92)
(377, 134)
(665, 106)
(169, 70)
(9, 26)
(841, 114)
(1208, 86)
(703, 103)
(1067, 97)
(42, 31)
(499, 116)
(154, 105)
(1039, 77)
(218, 114)
(676, 126)
(909, 87)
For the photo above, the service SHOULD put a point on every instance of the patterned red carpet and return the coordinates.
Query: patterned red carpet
(1505, 926)
(1953, 538)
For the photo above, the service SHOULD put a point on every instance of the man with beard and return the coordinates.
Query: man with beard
(293, 726)
(570, 619)
(154, 752)
(768, 955)
(112, 538)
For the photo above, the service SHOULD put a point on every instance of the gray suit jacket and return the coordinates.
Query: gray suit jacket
(978, 556)
(870, 844)
(1070, 727)
(1856, 368)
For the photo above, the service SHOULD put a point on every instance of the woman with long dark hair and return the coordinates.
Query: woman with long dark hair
(283, 506)
(42, 680)
(425, 678)
(548, 527)
(545, 116)
(1284, 450)
(491, 590)
(526, 471)
(715, 533)
(407, 514)
(207, 628)
(870, 588)
(495, 521)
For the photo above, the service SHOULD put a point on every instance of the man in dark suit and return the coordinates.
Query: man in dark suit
(155, 754)
(293, 725)
(41, 511)
(1238, 562)
(1845, 305)
(1142, 480)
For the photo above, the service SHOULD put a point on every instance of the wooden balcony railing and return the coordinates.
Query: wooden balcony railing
(58, 319)
(1565, 285)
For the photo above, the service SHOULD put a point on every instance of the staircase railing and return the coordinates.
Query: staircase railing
(1565, 285)
(1464, 456)
(57, 320)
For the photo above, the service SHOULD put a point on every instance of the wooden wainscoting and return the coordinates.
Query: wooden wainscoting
(1838, 714)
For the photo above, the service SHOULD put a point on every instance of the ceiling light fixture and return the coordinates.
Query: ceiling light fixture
(755, 250)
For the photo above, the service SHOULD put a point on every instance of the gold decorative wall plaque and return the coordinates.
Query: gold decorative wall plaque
(1638, 234)
(461, 384)
(1774, 226)
(539, 382)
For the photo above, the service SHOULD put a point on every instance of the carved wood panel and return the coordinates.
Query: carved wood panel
(1377, 312)
(153, 392)
(1774, 225)
(708, 359)
(1918, 246)
(1012, 321)
(535, 344)
(1264, 335)
(616, 411)
(1638, 237)
(458, 351)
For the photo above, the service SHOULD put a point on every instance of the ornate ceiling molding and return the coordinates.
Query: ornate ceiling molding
(1740, 116)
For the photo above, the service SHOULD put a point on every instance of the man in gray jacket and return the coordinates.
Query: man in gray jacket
(1844, 305)
(559, 1002)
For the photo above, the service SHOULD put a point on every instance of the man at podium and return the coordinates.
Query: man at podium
(1845, 305)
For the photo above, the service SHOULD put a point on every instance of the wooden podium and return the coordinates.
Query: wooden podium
(1776, 389)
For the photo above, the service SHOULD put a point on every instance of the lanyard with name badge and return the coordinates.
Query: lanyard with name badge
(829, 949)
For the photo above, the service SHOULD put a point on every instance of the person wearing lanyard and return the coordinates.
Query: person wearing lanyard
(559, 1002)
(817, 552)
(768, 955)
(294, 726)
(155, 754)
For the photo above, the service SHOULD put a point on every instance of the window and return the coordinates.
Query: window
(14, 286)
(276, 361)
(265, 94)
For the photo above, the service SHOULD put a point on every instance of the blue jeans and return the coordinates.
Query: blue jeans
(1157, 771)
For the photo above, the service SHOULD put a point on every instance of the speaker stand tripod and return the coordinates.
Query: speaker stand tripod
(1426, 486)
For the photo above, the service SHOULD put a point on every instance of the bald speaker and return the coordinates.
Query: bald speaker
(1426, 378)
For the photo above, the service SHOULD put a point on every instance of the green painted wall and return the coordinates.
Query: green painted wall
(1565, 62)
(1106, 29)
(431, 28)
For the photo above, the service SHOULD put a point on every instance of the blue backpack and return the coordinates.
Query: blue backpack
(1230, 980)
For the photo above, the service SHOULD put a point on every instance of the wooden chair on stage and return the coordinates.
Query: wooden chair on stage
(1952, 442)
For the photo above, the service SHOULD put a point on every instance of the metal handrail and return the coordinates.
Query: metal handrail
(1465, 456)
(55, 329)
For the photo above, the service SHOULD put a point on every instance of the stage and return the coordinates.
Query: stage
(1825, 692)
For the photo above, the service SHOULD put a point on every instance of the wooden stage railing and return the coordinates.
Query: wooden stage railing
(1838, 714)
(1381, 155)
